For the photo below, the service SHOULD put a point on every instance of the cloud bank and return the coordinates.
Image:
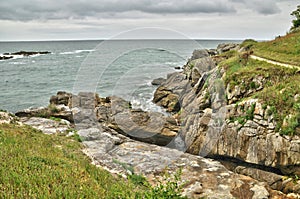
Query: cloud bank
(28, 10)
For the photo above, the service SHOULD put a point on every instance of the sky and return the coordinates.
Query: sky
(104, 19)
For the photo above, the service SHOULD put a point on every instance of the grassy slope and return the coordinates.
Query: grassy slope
(285, 49)
(282, 84)
(34, 165)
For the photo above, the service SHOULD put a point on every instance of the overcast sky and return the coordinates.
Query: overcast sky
(98, 19)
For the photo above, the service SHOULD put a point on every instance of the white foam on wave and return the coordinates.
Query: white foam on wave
(36, 55)
(146, 104)
(17, 63)
(67, 53)
(81, 51)
(75, 52)
(174, 63)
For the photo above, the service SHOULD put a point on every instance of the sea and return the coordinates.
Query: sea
(109, 67)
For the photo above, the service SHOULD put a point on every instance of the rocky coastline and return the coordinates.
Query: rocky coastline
(218, 156)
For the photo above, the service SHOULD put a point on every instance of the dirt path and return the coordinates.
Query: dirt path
(274, 62)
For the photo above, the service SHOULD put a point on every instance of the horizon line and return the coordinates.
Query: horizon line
(106, 39)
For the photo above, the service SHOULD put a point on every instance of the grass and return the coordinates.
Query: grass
(247, 115)
(34, 165)
(238, 74)
(280, 97)
(55, 119)
(285, 49)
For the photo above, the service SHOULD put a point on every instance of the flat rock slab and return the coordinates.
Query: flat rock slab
(201, 177)
(47, 126)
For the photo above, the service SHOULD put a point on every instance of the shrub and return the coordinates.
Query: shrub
(168, 190)
(296, 22)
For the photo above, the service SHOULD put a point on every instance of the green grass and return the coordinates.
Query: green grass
(281, 98)
(238, 74)
(285, 49)
(34, 165)
(247, 115)
(55, 119)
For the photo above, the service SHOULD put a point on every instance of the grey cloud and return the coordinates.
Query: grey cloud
(265, 7)
(79, 9)
(49, 9)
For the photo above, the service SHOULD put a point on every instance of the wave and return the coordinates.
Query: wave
(75, 52)
(17, 63)
(67, 53)
(81, 51)
(13, 57)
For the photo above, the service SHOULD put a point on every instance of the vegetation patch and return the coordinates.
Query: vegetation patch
(34, 165)
(279, 88)
(284, 104)
(284, 49)
(248, 115)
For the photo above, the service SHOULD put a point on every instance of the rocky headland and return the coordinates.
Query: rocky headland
(222, 136)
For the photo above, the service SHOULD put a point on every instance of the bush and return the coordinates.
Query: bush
(168, 190)
(296, 22)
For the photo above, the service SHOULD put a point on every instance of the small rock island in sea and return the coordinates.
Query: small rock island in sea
(6, 56)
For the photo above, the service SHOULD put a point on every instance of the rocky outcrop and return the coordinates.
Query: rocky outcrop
(61, 98)
(245, 131)
(87, 110)
(201, 177)
(121, 155)
(28, 53)
(260, 144)
(249, 135)
(7, 56)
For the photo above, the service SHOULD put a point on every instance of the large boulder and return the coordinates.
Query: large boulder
(158, 81)
(61, 98)
(167, 99)
(167, 94)
(224, 47)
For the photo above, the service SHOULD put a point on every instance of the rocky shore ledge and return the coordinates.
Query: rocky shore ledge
(257, 162)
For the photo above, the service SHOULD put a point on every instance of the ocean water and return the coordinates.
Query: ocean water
(118, 67)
